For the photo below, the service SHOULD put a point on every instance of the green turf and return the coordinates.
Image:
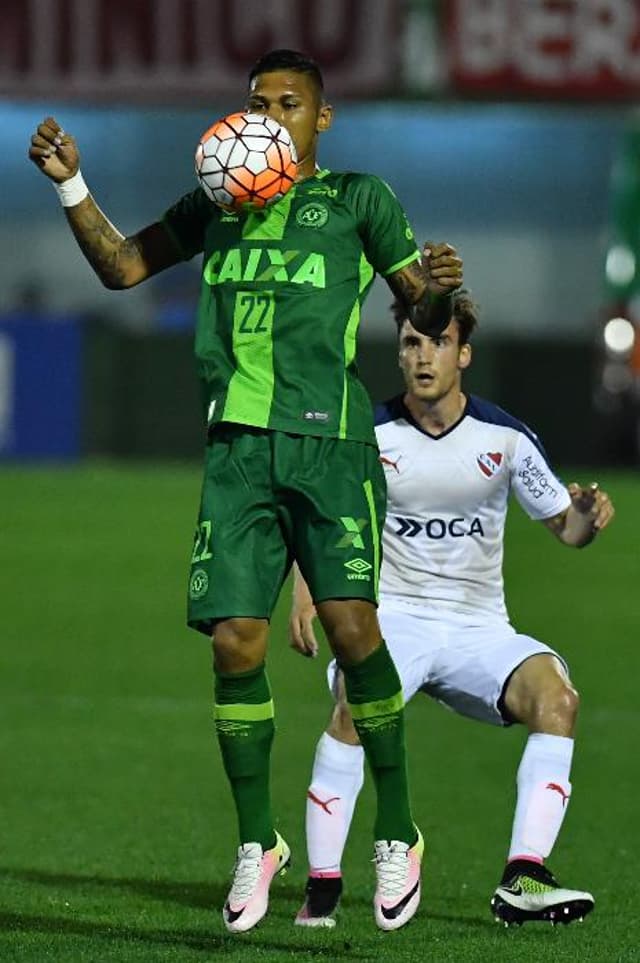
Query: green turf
(116, 832)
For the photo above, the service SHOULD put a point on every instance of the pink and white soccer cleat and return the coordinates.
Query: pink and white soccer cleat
(398, 890)
(248, 897)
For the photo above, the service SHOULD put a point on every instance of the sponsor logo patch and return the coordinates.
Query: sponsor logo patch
(535, 479)
(352, 537)
(438, 527)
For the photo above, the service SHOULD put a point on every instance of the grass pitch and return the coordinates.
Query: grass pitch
(116, 830)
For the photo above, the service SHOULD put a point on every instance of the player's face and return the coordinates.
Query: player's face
(293, 100)
(432, 366)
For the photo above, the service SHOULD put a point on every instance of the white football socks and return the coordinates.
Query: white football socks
(543, 795)
(337, 778)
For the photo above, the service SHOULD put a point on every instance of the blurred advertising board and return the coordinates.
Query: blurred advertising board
(166, 50)
(40, 388)
(546, 48)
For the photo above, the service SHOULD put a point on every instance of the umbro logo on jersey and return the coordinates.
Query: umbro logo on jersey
(489, 463)
(323, 189)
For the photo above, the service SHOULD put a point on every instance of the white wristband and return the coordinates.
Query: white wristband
(72, 191)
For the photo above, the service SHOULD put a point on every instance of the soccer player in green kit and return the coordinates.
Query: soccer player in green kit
(291, 466)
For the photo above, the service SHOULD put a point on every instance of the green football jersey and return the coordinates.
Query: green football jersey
(281, 300)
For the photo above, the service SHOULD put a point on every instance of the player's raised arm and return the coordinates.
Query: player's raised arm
(427, 285)
(590, 511)
(119, 261)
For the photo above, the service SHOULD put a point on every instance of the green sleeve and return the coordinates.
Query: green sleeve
(388, 238)
(186, 222)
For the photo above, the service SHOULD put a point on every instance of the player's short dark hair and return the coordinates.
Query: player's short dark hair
(288, 60)
(465, 312)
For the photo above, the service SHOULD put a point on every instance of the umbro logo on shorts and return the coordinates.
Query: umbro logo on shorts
(359, 569)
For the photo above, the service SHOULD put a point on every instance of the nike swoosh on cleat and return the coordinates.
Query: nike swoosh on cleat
(232, 915)
(394, 911)
(514, 890)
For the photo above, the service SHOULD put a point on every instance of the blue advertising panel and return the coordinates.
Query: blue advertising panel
(40, 387)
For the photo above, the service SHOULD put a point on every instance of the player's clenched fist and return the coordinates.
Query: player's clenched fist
(593, 503)
(54, 151)
(443, 267)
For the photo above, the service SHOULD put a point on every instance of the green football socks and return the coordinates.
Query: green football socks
(243, 714)
(375, 698)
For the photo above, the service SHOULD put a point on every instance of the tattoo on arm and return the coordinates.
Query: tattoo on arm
(117, 260)
(410, 283)
(429, 313)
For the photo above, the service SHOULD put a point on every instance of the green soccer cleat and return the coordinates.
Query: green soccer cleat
(529, 891)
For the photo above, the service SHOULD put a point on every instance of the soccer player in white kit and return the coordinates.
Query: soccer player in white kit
(451, 462)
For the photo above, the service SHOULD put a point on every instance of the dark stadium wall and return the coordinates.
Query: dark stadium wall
(142, 400)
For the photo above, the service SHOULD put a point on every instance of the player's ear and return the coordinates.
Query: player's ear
(464, 356)
(325, 118)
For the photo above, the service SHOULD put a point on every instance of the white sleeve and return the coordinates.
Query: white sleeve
(537, 488)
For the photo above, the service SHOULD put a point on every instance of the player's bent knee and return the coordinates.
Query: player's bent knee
(239, 644)
(555, 709)
(351, 627)
(567, 702)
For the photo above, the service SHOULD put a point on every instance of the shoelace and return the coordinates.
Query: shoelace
(392, 866)
(246, 874)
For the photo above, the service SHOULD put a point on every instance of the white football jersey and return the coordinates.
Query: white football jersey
(447, 505)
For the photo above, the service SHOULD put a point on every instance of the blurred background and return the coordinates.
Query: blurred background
(507, 127)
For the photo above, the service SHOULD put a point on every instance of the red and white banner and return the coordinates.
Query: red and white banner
(548, 48)
(194, 50)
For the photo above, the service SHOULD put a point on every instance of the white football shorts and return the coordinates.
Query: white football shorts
(463, 665)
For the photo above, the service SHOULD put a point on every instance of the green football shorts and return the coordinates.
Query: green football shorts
(268, 498)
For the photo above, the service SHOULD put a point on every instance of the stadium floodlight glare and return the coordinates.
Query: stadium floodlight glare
(620, 265)
(619, 336)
